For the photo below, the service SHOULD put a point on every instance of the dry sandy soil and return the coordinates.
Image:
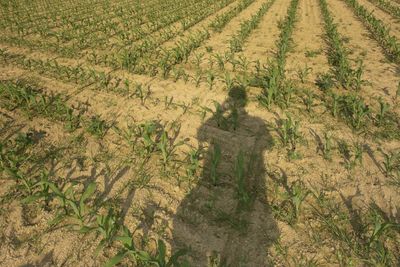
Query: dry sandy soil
(302, 206)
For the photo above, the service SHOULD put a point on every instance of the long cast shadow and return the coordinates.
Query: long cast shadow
(216, 226)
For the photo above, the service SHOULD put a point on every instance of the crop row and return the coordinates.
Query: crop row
(272, 80)
(74, 205)
(247, 26)
(380, 31)
(388, 7)
(338, 54)
(72, 41)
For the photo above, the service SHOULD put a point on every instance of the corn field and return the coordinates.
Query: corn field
(200, 133)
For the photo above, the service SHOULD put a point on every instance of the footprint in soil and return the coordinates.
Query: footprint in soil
(225, 219)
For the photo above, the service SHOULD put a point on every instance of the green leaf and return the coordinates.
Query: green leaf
(88, 192)
(31, 199)
(116, 259)
(174, 258)
(74, 207)
(126, 241)
(100, 247)
(161, 252)
(143, 256)
(86, 229)
(59, 217)
(55, 189)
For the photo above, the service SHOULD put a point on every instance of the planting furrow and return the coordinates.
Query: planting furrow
(216, 48)
(272, 79)
(388, 6)
(136, 57)
(74, 45)
(380, 32)
(307, 58)
(387, 19)
(381, 74)
(261, 43)
(168, 57)
(338, 54)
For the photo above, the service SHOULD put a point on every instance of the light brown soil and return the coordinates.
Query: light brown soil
(194, 212)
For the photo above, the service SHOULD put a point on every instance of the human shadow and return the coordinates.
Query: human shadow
(225, 219)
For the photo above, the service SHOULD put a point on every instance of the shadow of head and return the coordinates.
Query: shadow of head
(237, 96)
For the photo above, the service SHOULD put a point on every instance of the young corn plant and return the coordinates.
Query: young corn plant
(229, 81)
(383, 109)
(75, 205)
(210, 78)
(40, 190)
(106, 226)
(241, 187)
(198, 58)
(220, 61)
(303, 73)
(309, 101)
(391, 163)
(358, 153)
(290, 135)
(166, 147)
(215, 161)
(355, 110)
(219, 116)
(325, 81)
(327, 146)
(97, 127)
(193, 163)
(335, 104)
(287, 207)
(142, 92)
(141, 257)
(198, 77)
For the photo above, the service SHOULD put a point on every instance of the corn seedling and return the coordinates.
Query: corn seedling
(97, 127)
(210, 79)
(193, 163)
(198, 57)
(141, 92)
(141, 256)
(290, 135)
(198, 76)
(303, 73)
(241, 188)
(229, 81)
(308, 100)
(166, 147)
(220, 61)
(75, 207)
(40, 190)
(215, 160)
(327, 146)
(383, 109)
(325, 81)
(391, 162)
